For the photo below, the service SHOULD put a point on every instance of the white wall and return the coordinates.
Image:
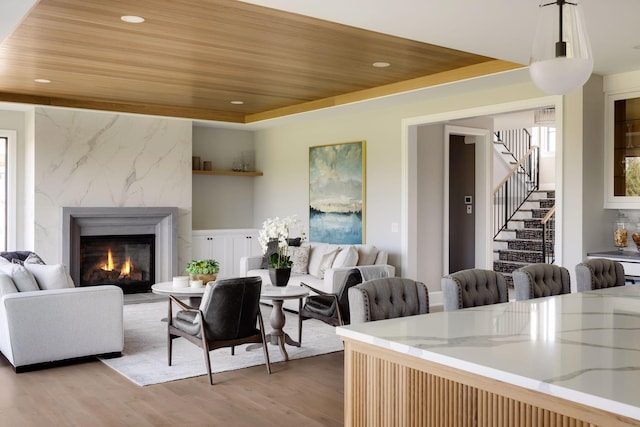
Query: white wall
(222, 201)
(283, 154)
(430, 202)
(87, 158)
(597, 222)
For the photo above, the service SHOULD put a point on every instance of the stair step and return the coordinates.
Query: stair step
(532, 224)
(528, 257)
(507, 266)
(532, 233)
(547, 203)
(539, 213)
(528, 245)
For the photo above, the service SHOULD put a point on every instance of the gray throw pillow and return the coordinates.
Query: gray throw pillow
(33, 258)
(23, 280)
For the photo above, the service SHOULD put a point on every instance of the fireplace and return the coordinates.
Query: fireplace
(147, 236)
(126, 261)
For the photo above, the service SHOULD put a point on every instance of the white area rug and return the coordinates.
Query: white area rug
(144, 359)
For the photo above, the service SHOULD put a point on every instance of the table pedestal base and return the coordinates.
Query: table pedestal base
(277, 336)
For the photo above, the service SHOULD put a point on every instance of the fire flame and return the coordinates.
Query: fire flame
(125, 271)
(109, 265)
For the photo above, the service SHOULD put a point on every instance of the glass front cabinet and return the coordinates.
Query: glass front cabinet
(622, 151)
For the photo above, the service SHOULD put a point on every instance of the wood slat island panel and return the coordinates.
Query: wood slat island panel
(557, 361)
(383, 388)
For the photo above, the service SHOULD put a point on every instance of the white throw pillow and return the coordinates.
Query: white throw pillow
(300, 257)
(50, 276)
(347, 257)
(316, 251)
(367, 254)
(22, 278)
(327, 262)
(6, 285)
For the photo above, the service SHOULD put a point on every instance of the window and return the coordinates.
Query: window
(545, 138)
(4, 144)
(8, 164)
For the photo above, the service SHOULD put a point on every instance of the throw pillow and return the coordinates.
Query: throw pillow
(327, 262)
(347, 257)
(18, 256)
(33, 258)
(6, 285)
(367, 254)
(300, 257)
(272, 248)
(50, 276)
(22, 278)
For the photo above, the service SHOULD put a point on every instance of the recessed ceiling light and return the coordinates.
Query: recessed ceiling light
(237, 102)
(381, 64)
(132, 19)
(42, 80)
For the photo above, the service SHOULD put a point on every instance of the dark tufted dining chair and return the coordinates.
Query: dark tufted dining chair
(541, 280)
(226, 317)
(387, 298)
(599, 273)
(473, 287)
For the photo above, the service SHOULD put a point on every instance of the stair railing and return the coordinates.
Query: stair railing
(517, 141)
(515, 188)
(548, 236)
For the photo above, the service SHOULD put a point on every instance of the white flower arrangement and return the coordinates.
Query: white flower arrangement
(278, 229)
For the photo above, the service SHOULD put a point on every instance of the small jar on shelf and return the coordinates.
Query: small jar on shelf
(620, 234)
(636, 236)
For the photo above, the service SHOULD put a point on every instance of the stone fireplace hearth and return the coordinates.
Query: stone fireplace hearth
(158, 222)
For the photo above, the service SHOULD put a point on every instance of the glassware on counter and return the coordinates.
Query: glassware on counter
(620, 235)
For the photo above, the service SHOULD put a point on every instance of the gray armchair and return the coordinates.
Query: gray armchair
(387, 298)
(227, 317)
(599, 273)
(473, 287)
(541, 280)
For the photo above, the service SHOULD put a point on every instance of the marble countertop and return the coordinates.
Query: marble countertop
(632, 256)
(583, 347)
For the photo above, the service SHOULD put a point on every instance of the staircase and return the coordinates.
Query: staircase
(520, 243)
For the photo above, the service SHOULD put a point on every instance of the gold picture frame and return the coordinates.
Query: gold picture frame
(337, 193)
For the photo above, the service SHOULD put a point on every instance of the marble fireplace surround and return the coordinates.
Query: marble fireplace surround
(99, 221)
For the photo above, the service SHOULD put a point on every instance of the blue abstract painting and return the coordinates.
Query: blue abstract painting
(336, 193)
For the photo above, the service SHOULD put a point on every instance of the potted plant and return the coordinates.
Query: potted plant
(204, 269)
(274, 241)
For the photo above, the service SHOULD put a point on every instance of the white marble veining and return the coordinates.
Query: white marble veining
(584, 347)
(86, 158)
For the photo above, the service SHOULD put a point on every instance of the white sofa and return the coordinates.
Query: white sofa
(371, 262)
(56, 321)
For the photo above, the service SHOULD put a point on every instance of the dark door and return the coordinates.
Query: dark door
(462, 184)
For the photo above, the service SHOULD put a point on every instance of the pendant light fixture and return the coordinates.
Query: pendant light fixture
(561, 59)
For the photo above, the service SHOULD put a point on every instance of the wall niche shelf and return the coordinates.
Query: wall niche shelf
(227, 173)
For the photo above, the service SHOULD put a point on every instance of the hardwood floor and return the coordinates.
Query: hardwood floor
(304, 392)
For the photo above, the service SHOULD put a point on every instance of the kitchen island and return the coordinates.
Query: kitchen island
(568, 360)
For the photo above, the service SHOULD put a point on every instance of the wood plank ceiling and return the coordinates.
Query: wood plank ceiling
(192, 58)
